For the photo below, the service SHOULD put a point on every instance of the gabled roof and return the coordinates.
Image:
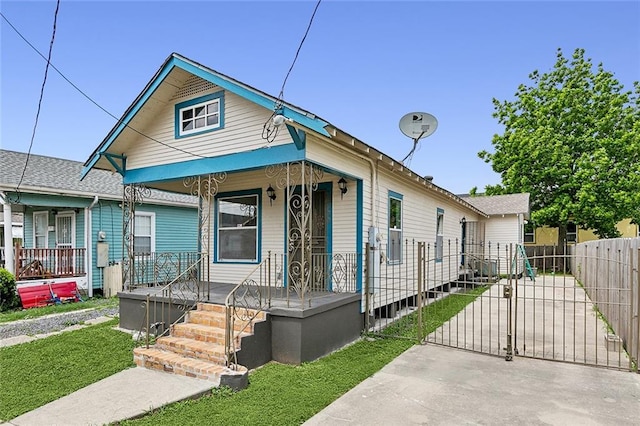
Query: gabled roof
(56, 176)
(500, 204)
(299, 118)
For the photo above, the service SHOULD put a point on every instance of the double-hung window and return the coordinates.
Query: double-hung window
(238, 223)
(40, 229)
(144, 233)
(394, 250)
(200, 115)
(439, 235)
(572, 232)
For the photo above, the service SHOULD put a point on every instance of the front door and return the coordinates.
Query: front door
(309, 264)
(65, 238)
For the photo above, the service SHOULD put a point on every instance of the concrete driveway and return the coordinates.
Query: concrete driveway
(436, 385)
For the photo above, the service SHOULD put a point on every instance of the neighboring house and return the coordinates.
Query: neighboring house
(13, 237)
(548, 236)
(505, 225)
(287, 194)
(73, 228)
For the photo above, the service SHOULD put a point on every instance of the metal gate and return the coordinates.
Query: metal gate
(577, 305)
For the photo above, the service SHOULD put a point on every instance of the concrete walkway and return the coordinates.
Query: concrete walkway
(437, 385)
(127, 394)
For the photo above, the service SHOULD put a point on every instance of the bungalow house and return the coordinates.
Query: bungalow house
(73, 228)
(295, 214)
(508, 215)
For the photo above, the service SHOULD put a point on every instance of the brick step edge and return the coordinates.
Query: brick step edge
(169, 362)
(191, 348)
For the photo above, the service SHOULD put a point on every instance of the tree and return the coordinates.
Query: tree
(572, 140)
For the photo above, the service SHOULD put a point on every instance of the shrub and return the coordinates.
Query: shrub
(8, 296)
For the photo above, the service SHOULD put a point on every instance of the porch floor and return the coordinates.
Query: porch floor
(282, 300)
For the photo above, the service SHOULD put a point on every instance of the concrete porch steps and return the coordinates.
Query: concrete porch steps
(196, 347)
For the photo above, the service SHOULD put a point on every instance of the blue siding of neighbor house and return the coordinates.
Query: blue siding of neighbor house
(176, 228)
(176, 231)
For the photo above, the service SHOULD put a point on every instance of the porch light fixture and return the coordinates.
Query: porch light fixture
(463, 220)
(342, 184)
(271, 193)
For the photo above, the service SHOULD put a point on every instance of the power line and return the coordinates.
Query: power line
(44, 82)
(270, 130)
(281, 95)
(119, 120)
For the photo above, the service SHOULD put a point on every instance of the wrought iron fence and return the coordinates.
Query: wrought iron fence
(160, 268)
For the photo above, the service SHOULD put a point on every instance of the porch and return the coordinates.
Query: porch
(49, 263)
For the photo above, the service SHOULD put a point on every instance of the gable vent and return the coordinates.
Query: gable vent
(193, 86)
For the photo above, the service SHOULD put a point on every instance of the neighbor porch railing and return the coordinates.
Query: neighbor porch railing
(40, 263)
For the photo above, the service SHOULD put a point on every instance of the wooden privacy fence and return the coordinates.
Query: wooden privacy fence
(609, 270)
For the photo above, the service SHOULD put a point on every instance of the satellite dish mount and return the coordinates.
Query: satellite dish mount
(417, 125)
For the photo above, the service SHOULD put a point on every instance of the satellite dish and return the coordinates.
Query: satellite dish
(418, 125)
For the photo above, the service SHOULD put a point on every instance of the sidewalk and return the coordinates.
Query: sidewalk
(127, 394)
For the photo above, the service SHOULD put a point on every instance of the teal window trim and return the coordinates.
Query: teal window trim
(195, 101)
(255, 192)
(439, 248)
(391, 257)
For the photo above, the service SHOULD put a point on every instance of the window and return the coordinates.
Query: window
(572, 232)
(199, 115)
(40, 229)
(394, 250)
(144, 238)
(439, 235)
(237, 224)
(529, 233)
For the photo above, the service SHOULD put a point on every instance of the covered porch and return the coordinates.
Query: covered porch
(282, 239)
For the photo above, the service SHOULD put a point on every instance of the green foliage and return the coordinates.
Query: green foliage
(572, 140)
(57, 309)
(8, 296)
(44, 370)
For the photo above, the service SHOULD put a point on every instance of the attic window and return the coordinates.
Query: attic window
(200, 115)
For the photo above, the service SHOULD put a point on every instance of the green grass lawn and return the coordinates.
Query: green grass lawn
(35, 373)
(289, 395)
(56, 309)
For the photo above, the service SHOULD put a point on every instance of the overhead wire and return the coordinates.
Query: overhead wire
(44, 82)
(119, 120)
(269, 129)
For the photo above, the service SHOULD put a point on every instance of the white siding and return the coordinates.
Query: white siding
(419, 208)
(503, 232)
(242, 131)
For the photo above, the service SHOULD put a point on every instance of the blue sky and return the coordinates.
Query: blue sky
(363, 66)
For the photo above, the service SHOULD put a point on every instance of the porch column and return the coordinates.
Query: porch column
(131, 195)
(205, 188)
(9, 262)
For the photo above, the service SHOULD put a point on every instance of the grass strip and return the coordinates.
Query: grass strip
(56, 309)
(41, 371)
(281, 394)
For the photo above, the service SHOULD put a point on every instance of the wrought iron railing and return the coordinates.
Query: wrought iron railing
(172, 302)
(160, 268)
(243, 304)
(40, 263)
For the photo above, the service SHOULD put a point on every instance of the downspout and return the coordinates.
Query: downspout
(88, 260)
(9, 262)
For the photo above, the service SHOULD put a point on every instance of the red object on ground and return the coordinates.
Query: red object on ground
(33, 296)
